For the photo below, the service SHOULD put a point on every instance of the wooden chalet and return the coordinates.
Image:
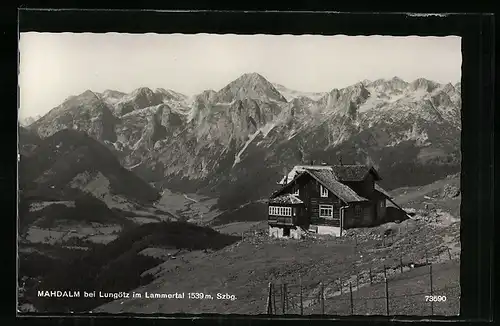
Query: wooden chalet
(326, 199)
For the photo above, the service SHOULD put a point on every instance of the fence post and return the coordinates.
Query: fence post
(340, 282)
(357, 281)
(269, 304)
(282, 298)
(274, 300)
(322, 299)
(401, 263)
(301, 299)
(371, 276)
(432, 302)
(352, 301)
(387, 296)
(385, 272)
(426, 258)
(285, 295)
(449, 253)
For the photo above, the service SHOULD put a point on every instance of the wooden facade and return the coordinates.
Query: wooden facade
(347, 204)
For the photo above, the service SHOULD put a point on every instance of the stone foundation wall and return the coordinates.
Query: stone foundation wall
(332, 230)
(277, 232)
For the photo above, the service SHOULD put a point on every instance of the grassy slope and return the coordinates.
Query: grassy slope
(414, 197)
(244, 269)
(406, 295)
(118, 266)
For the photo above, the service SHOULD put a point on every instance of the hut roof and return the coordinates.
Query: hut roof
(329, 180)
(354, 172)
(382, 191)
(285, 199)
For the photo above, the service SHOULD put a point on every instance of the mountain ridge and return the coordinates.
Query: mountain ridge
(213, 141)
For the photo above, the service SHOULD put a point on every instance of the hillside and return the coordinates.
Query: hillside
(70, 161)
(245, 268)
(211, 143)
(117, 266)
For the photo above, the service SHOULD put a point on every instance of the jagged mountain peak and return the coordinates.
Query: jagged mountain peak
(88, 92)
(249, 85)
(395, 83)
(169, 94)
(423, 84)
(252, 76)
(143, 91)
(113, 92)
(448, 88)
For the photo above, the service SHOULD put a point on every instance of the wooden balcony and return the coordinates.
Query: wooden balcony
(282, 220)
(325, 221)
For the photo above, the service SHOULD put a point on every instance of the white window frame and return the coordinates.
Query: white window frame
(328, 208)
(323, 191)
(280, 211)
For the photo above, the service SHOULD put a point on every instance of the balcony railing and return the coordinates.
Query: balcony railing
(282, 220)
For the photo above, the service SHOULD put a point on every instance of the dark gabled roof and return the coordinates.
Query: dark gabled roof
(285, 199)
(285, 186)
(328, 180)
(382, 191)
(354, 172)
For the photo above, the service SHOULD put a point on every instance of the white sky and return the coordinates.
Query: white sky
(54, 66)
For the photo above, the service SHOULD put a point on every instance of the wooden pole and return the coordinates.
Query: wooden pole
(274, 299)
(432, 302)
(371, 276)
(282, 298)
(385, 272)
(285, 295)
(449, 253)
(357, 281)
(322, 299)
(401, 263)
(387, 296)
(352, 301)
(340, 283)
(426, 258)
(301, 299)
(269, 303)
(383, 240)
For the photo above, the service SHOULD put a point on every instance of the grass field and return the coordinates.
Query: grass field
(245, 268)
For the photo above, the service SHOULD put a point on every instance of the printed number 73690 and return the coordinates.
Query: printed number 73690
(435, 298)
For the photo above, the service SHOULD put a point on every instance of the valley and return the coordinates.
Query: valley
(133, 192)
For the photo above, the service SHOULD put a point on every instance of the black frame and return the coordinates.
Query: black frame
(477, 32)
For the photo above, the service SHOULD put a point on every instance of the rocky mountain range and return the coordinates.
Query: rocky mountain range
(236, 143)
